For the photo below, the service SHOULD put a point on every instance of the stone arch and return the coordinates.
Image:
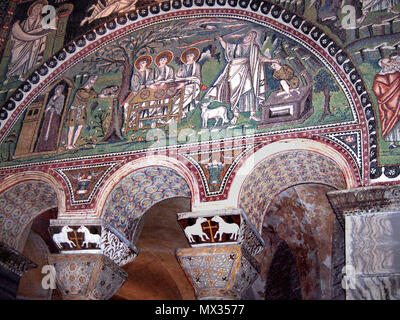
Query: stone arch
(19, 205)
(285, 286)
(284, 168)
(288, 164)
(303, 217)
(170, 162)
(342, 163)
(156, 273)
(137, 192)
(41, 176)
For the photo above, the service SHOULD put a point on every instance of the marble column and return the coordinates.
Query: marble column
(221, 262)
(88, 266)
(12, 266)
(372, 238)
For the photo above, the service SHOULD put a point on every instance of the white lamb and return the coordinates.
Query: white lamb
(216, 113)
(196, 230)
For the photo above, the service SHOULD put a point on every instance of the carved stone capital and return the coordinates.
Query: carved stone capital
(221, 263)
(76, 235)
(91, 236)
(229, 226)
(14, 261)
(87, 276)
(217, 272)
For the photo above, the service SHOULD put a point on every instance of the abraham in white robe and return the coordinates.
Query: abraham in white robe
(242, 83)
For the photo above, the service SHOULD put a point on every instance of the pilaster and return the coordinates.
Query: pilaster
(371, 217)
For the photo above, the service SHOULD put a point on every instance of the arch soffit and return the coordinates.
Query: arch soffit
(17, 216)
(15, 179)
(269, 151)
(149, 161)
(252, 161)
(275, 148)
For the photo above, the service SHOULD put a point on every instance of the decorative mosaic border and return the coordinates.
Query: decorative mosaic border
(357, 156)
(272, 13)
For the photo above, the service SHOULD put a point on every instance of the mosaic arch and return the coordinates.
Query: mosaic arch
(170, 162)
(118, 116)
(261, 152)
(19, 205)
(281, 171)
(138, 192)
